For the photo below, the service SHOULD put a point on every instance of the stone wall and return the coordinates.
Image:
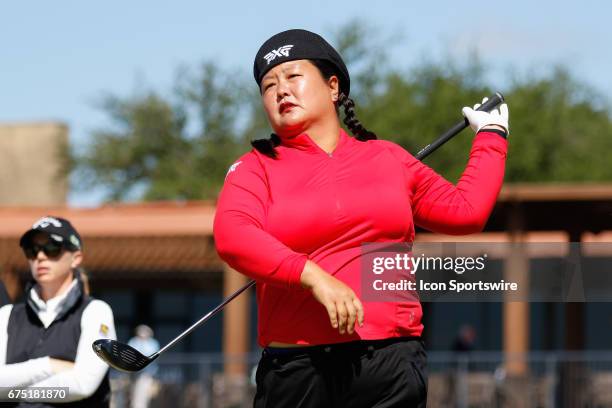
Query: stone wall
(31, 162)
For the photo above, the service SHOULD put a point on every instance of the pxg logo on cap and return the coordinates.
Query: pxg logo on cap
(279, 52)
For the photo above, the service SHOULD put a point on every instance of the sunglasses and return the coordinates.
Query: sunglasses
(50, 249)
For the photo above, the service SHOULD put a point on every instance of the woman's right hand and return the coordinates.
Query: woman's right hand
(482, 120)
(342, 305)
(58, 365)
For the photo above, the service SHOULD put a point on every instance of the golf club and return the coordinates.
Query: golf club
(126, 358)
(489, 105)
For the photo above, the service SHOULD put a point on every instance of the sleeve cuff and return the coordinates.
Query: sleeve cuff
(496, 131)
(296, 268)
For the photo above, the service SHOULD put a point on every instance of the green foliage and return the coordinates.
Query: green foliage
(180, 147)
(415, 107)
(152, 148)
(141, 148)
(558, 132)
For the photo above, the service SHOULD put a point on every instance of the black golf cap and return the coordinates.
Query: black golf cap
(298, 44)
(59, 230)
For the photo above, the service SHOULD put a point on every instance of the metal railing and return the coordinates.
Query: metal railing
(479, 379)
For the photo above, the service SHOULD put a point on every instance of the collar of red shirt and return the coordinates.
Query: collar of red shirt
(304, 142)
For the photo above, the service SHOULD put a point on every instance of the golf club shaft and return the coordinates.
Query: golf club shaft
(490, 104)
(205, 317)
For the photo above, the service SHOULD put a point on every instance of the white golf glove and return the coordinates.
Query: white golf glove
(480, 119)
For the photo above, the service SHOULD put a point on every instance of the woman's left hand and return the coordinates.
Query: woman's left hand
(342, 305)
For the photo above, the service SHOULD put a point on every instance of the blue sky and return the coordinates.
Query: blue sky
(57, 58)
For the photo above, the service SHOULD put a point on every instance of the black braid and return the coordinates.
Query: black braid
(351, 121)
(267, 146)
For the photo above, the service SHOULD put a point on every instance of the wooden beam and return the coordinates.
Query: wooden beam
(516, 314)
(235, 324)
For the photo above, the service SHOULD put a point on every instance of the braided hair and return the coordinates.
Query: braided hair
(351, 121)
(267, 146)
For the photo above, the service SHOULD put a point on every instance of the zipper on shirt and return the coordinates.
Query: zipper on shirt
(335, 186)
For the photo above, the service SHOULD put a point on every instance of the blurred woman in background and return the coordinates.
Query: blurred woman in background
(4, 297)
(45, 341)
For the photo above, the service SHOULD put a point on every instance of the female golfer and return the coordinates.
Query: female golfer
(45, 341)
(294, 212)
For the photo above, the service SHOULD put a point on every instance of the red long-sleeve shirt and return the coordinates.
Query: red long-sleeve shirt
(275, 214)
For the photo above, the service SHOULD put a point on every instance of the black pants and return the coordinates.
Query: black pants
(369, 374)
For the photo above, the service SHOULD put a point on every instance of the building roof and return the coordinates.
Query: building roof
(128, 241)
(170, 218)
(555, 192)
(144, 239)
(150, 219)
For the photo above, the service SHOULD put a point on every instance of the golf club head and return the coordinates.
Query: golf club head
(120, 356)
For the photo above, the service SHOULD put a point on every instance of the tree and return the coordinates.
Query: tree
(562, 131)
(177, 150)
(180, 147)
